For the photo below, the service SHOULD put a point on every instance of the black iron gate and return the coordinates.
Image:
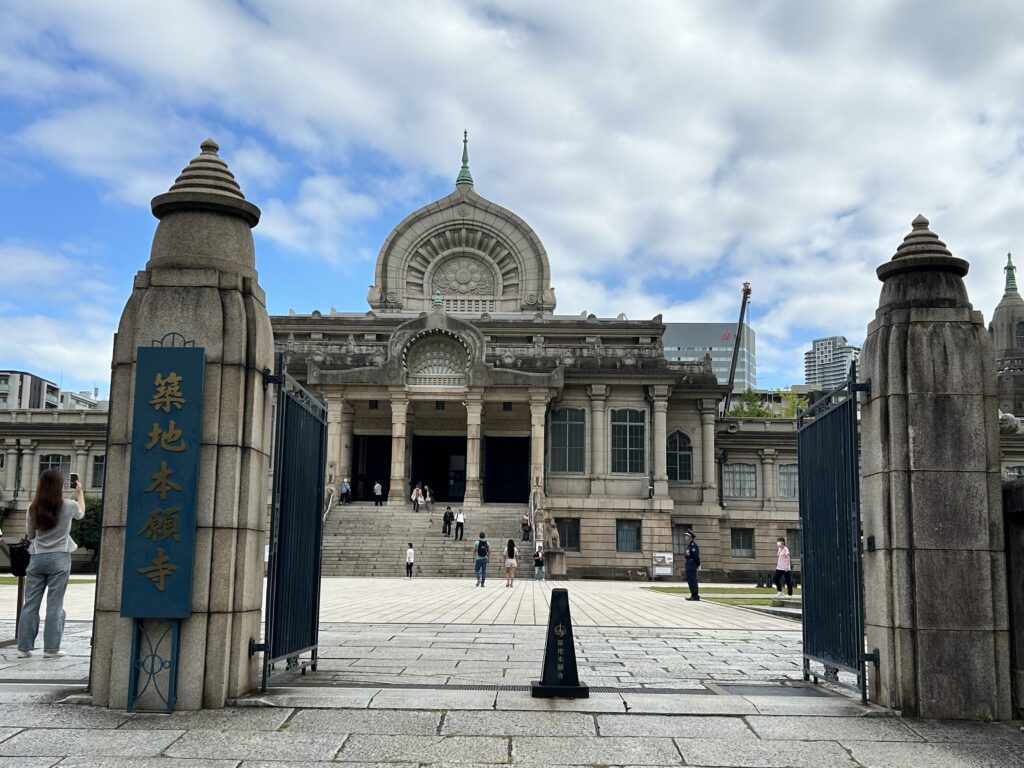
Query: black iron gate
(296, 528)
(833, 598)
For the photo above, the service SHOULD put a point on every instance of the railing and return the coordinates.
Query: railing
(329, 504)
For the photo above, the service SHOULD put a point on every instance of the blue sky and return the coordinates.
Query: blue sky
(664, 152)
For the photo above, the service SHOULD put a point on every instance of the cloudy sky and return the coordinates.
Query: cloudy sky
(664, 151)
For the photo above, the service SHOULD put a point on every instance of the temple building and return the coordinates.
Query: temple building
(462, 376)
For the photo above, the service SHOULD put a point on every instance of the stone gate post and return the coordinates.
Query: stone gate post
(199, 286)
(934, 568)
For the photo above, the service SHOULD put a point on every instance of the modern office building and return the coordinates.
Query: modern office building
(692, 341)
(827, 362)
(19, 389)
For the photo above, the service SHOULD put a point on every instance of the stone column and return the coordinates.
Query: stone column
(474, 421)
(931, 493)
(334, 473)
(707, 445)
(348, 421)
(398, 491)
(200, 286)
(80, 462)
(598, 441)
(10, 466)
(769, 491)
(660, 420)
(29, 470)
(538, 411)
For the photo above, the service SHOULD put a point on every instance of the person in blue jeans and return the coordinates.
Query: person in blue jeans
(481, 549)
(48, 527)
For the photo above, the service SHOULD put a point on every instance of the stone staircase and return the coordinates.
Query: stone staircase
(363, 540)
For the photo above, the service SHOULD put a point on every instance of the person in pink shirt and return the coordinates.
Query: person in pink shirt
(783, 569)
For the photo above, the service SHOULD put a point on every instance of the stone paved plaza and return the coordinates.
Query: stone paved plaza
(432, 672)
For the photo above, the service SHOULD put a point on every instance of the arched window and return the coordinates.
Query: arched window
(1020, 335)
(628, 441)
(680, 458)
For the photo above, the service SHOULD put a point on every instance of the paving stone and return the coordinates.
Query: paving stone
(835, 706)
(964, 730)
(232, 718)
(947, 755)
(687, 704)
(582, 750)
(260, 745)
(523, 701)
(36, 742)
(352, 698)
(376, 721)
(518, 724)
(396, 698)
(59, 716)
(833, 728)
(760, 754)
(426, 749)
(319, 764)
(28, 762)
(674, 726)
(143, 762)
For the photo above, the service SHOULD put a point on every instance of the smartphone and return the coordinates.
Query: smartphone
(74, 479)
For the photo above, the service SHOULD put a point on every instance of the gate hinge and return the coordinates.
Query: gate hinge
(874, 657)
(862, 386)
(271, 378)
(255, 647)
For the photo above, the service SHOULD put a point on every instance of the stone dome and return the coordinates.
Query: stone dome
(478, 256)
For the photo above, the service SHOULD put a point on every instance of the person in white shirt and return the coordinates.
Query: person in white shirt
(460, 525)
(410, 558)
(48, 527)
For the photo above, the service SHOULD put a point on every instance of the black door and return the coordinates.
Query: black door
(506, 470)
(371, 463)
(440, 462)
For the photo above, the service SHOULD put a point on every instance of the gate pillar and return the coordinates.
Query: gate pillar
(199, 289)
(934, 568)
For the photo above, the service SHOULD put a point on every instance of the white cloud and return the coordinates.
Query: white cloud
(785, 143)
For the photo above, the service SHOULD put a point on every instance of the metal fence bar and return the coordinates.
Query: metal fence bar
(833, 618)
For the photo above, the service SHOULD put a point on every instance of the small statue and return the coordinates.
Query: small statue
(1008, 424)
(438, 298)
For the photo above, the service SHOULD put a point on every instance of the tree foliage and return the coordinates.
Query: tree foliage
(790, 401)
(749, 405)
(88, 531)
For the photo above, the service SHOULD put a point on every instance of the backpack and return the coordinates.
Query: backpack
(482, 549)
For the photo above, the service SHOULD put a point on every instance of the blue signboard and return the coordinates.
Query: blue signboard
(160, 527)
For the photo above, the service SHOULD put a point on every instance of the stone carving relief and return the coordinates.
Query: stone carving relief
(464, 275)
(437, 358)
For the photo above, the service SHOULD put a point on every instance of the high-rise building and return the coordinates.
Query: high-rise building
(24, 390)
(692, 341)
(827, 362)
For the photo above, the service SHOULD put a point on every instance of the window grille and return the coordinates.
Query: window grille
(568, 440)
(680, 458)
(568, 533)
(627, 535)
(628, 441)
(742, 542)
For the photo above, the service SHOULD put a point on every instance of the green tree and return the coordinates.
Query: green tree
(88, 531)
(750, 405)
(790, 401)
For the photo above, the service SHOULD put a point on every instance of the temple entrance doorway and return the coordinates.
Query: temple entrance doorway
(440, 462)
(506, 478)
(371, 463)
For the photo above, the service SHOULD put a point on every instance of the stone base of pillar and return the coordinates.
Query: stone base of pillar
(661, 489)
(554, 565)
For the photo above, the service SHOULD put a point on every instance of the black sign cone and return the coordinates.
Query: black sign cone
(559, 677)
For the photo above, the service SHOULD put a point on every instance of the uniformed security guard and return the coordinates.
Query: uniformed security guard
(691, 559)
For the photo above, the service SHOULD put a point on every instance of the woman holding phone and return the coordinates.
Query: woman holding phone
(48, 528)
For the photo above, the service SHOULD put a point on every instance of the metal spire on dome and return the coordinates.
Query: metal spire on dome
(465, 177)
(1011, 277)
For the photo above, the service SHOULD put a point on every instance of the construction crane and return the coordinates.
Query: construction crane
(736, 346)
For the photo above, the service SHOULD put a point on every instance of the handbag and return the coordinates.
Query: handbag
(19, 559)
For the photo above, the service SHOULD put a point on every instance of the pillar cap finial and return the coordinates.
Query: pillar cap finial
(465, 177)
(921, 249)
(1011, 278)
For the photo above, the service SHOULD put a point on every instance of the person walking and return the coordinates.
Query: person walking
(428, 498)
(511, 563)
(691, 560)
(48, 526)
(410, 559)
(460, 525)
(783, 569)
(446, 522)
(378, 494)
(416, 498)
(538, 564)
(481, 550)
(526, 525)
(345, 491)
